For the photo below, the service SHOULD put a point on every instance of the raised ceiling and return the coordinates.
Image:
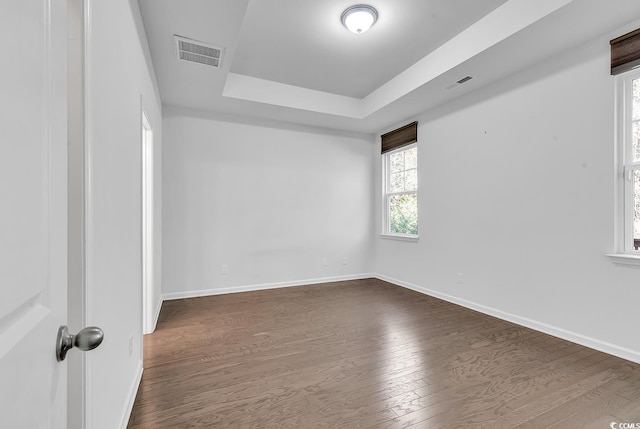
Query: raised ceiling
(291, 60)
(303, 42)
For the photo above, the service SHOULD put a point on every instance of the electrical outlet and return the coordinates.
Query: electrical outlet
(224, 269)
(130, 345)
(460, 278)
(324, 262)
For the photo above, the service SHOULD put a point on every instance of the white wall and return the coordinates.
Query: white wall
(516, 192)
(268, 200)
(119, 83)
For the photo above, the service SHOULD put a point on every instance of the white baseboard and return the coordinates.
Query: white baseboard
(604, 347)
(132, 397)
(250, 288)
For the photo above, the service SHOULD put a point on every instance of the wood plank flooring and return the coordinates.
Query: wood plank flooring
(368, 354)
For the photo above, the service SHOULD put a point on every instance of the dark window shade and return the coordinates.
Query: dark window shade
(625, 52)
(400, 137)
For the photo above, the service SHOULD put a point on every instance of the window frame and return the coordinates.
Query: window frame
(386, 176)
(625, 168)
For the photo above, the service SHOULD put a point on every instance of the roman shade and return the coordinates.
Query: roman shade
(625, 52)
(400, 137)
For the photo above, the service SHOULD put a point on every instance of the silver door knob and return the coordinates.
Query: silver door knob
(87, 339)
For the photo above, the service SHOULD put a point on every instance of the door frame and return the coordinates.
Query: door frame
(78, 382)
(147, 220)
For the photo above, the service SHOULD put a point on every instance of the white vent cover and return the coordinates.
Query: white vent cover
(198, 52)
(460, 82)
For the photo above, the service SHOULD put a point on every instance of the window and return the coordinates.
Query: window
(400, 169)
(629, 161)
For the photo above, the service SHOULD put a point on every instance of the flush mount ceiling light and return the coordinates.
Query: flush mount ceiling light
(359, 18)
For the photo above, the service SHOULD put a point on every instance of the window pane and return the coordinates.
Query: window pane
(397, 161)
(411, 180)
(411, 158)
(635, 143)
(397, 182)
(636, 206)
(403, 214)
(636, 99)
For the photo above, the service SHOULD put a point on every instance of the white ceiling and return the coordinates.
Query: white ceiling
(303, 42)
(293, 61)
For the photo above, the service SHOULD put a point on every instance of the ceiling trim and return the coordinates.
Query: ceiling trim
(281, 94)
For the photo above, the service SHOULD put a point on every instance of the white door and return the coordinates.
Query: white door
(33, 201)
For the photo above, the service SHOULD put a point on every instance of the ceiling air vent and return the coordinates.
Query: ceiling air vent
(198, 52)
(460, 82)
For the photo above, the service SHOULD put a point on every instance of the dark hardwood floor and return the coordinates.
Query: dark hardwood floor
(365, 353)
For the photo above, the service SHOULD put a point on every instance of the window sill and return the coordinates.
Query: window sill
(399, 237)
(624, 259)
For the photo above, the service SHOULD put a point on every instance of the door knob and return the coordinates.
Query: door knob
(87, 339)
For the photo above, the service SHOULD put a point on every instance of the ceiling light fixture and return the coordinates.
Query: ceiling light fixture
(359, 18)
